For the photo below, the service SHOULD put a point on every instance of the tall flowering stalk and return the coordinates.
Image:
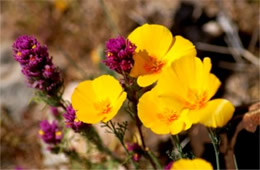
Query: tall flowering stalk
(37, 65)
(42, 75)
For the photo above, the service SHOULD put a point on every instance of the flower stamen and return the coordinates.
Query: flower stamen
(153, 65)
(197, 100)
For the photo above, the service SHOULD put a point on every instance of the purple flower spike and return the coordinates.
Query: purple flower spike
(119, 55)
(71, 120)
(50, 132)
(37, 65)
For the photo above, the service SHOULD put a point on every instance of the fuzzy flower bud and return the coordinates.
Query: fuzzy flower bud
(71, 120)
(50, 132)
(119, 55)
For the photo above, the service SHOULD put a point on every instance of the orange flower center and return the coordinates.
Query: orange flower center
(196, 100)
(153, 65)
(103, 107)
(168, 116)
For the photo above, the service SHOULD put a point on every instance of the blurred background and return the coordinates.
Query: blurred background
(75, 32)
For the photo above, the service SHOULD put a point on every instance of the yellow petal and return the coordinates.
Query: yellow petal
(177, 126)
(83, 95)
(140, 58)
(146, 80)
(160, 129)
(175, 80)
(154, 39)
(161, 115)
(106, 86)
(195, 164)
(147, 109)
(116, 106)
(88, 116)
(183, 123)
(213, 85)
(181, 47)
(215, 114)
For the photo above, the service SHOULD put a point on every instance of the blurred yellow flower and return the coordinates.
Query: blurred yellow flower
(156, 49)
(61, 5)
(161, 116)
(189, 83)
(187, 164)
(98, 100)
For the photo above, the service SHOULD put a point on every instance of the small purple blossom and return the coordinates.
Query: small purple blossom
(50, 132)
(119, 54)
(136, 149)
(54, 111)
(71, 120)
(168, 166)
(36, 64)
(18, 168)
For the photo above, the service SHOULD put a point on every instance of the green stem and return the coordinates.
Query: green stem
(177, 145)
(235, 161)
(214, 141)
(154, 159)
(110, 21)
(91, 134)
(122, 143)
(75, 157)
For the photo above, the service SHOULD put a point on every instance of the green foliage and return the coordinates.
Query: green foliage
(43, 97)
(118, 129)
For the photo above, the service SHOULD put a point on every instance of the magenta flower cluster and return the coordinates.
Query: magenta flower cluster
(37, 65)
(71, 120)
(50, 132)
(119, 55)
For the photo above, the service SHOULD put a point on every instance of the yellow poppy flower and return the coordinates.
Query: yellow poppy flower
(98, 100)
(189, 83)
(159, 115)
(188, 164)
(156, 49)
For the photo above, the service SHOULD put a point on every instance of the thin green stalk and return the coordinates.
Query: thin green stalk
(235, 161)
(110, 21)
(215, 142)
(120, 138)
(155, 160)
(177, 145)
(91, 134)
(152, 159)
